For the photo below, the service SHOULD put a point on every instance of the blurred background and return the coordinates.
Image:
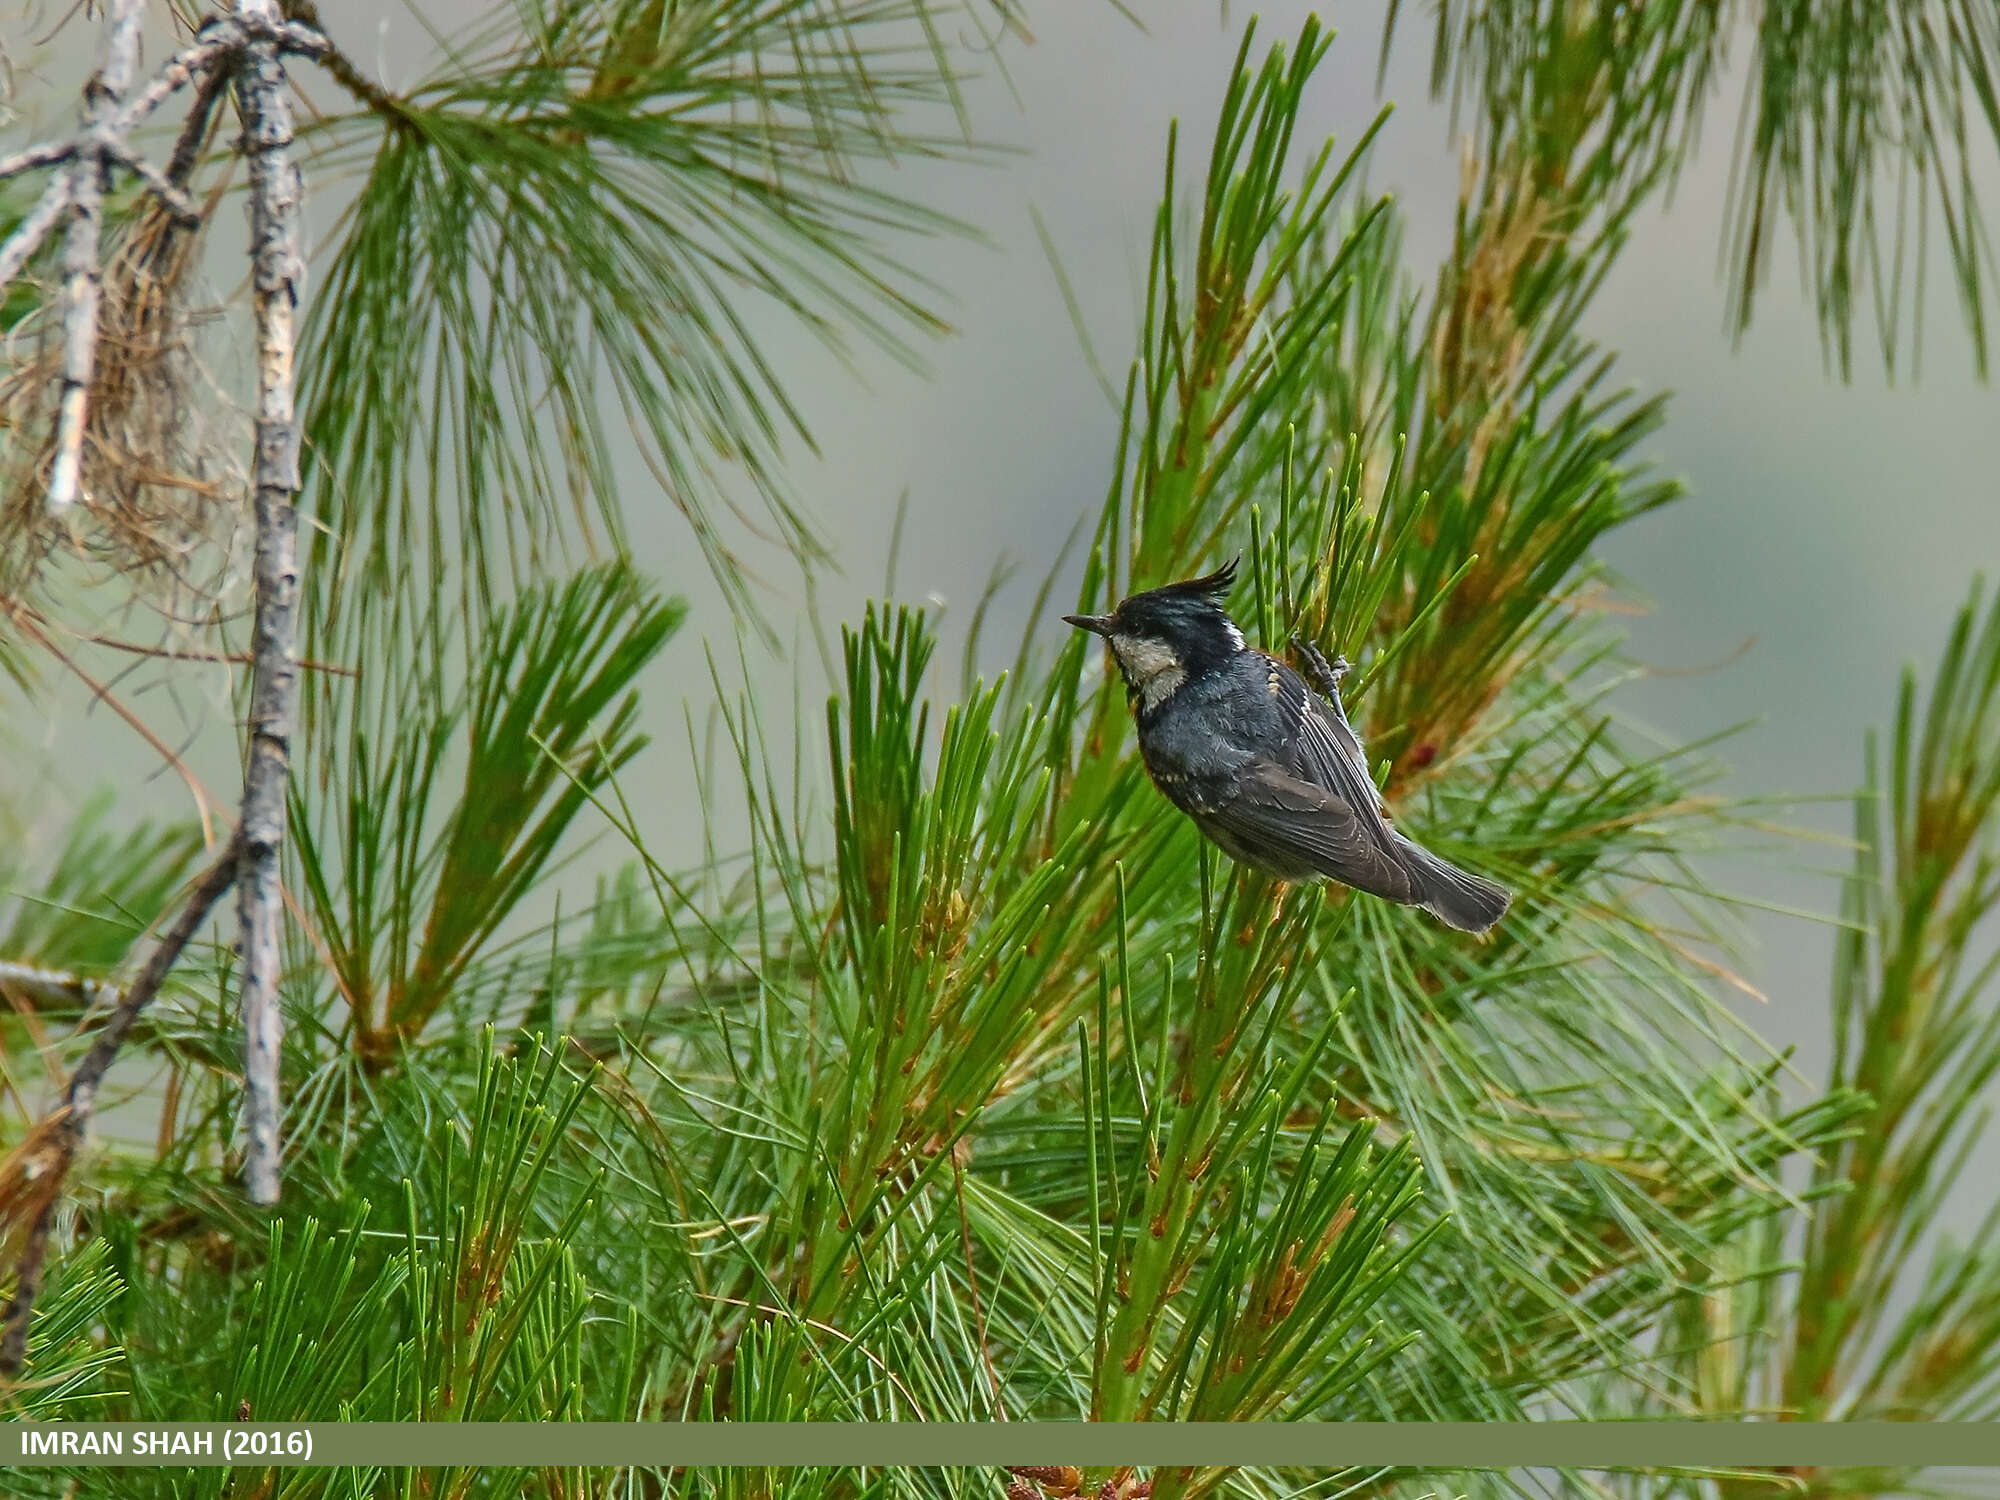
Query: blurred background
(1829, 531)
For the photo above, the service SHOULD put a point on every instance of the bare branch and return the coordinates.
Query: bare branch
(47, 154)
(104, 141)
(177, 202)
(111, 130)
(44, 1158)
(82, 289)
(278, 270)
(28, 235)
(216, 44)
(195, 129)
(83, 278)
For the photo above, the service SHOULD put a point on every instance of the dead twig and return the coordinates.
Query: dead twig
(203, 803)
(235, 658)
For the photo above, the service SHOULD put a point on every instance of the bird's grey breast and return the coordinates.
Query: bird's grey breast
(1197, 742)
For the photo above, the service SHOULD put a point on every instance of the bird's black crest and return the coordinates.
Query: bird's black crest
(1212, 586)
(1205, 592)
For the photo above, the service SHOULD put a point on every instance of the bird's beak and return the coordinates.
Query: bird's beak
(1095, 624)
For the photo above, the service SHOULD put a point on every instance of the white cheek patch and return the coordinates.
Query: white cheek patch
(1151, 667)
(1161, 686)
(1143, 657)
(1235, 635)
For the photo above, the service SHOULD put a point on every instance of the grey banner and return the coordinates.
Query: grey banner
(953, 1444)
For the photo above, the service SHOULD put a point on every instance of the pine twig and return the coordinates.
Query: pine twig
(305, 14)
(62, 1132)
(277, 272)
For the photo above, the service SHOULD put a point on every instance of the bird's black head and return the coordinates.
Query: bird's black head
(1167, 635)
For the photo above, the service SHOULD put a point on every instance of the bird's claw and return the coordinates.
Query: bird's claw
(1326, 674)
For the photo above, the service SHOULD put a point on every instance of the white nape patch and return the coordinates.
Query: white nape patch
(1235, 635)
(1151, 668)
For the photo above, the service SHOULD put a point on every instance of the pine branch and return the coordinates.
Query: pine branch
(1868, 128)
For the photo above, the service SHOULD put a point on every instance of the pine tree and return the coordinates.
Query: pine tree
(973, 1087)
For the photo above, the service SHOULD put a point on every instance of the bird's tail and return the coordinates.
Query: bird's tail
(1456, 897)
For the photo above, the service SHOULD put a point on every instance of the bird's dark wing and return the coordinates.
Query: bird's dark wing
(1274, 819)
(1323, 749)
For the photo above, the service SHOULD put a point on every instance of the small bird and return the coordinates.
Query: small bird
(1266, 768)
